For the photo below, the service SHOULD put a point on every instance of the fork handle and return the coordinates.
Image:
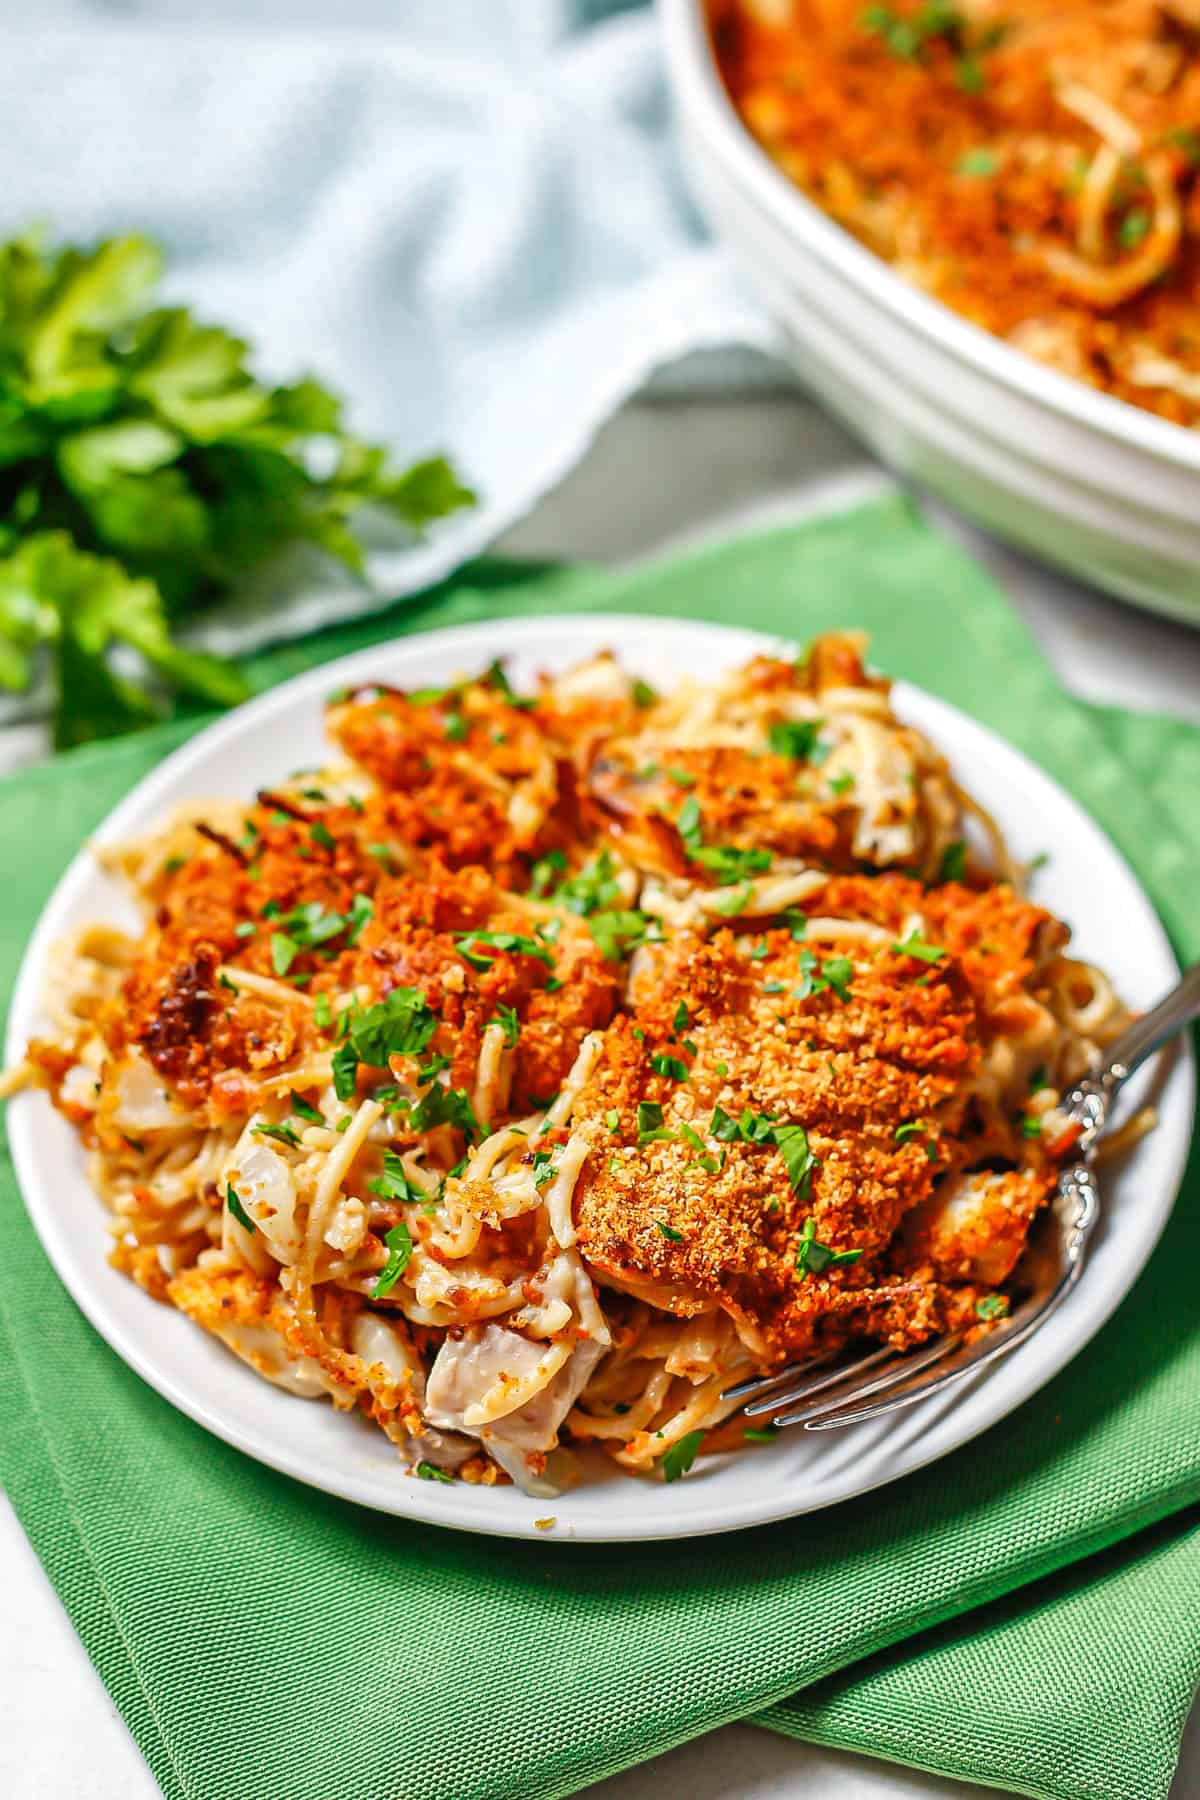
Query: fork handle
(1151, 1031)
(1090, 1100)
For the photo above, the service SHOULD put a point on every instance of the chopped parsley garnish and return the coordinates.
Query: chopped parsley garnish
(710, 1164)
(1133, 228)
(834, 975)
(473, 946)
(687, 823)
(681, 777)
(673, 1067)
(393, 1184)
(238, 1210)
(616, 934)
(732, 903)
(812, 1257)
(669, 1232)
(445, 1106)
(362, 909)
(992, 1306)
(322, 1012)
(455, 727)
(543, 1167)
(649, 1120)
(284, 951)
(1037, 1079)
(796, 921)
(978, 163)
(612, 1119)
(750, 1128)
(173, 865)
(283, 1133)
(729, 864)
(382, 854)
(643, 694)
(792, 1144)
(758, 954)
(1039, 861)
(591, 889)
(321, 834)
(764, 1435)
(841, 784)
(913, 1129)
(400, 1025)
(915, 945)
(301, 929)
(224, 981)
(510, 1024)
(1031, 1128)
(953, 865)
(304, 1110)
(680, 1017)
(796, 738)
(726, 863)
(246, 929)
(430, 1472)
(545, 871)
(680, 1457)
(399, 1248)
(760, 1128)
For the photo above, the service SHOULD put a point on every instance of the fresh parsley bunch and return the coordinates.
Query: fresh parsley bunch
(143, 471)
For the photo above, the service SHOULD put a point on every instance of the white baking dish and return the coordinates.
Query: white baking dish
(1081, 479)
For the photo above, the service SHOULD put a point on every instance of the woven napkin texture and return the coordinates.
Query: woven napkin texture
(265, 1642)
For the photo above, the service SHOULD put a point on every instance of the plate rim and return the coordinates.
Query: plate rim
(438, 1504)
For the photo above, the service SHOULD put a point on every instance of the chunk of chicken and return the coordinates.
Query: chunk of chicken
(973, 1227)
(477, 1376)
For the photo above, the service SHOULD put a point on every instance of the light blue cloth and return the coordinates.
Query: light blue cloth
(465, 214)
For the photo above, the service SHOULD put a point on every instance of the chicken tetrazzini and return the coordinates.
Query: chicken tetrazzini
(546, 1064)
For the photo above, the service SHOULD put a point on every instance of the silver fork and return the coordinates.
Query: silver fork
(823, 1394)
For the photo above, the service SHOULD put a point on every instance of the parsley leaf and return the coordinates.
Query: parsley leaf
(953, 865)
(792, 1144)
(543, 1168)
(400, 1025)
(812, 1257)
(393, 1184)
(673, 1067)
(510, 1024)
(991, 1306)
(445, 1106)
(284, 1133)
(680, 1457)
(284, 951)
(304, 1110)
(148, 470)
(669, 1232)
(399, 1248)
(915, 945)
(239, 1212)
(796, 738)
(473, 946)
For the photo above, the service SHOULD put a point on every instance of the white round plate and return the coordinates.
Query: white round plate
(1086, 882)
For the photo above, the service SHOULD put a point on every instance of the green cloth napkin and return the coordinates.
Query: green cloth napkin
(264, 1642)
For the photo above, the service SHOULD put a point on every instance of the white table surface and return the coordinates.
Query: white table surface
(661, 476)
